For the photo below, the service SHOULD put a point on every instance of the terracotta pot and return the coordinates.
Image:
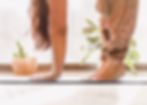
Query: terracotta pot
(24, 66)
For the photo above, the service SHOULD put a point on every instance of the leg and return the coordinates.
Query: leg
(118, 18)
(57, 30)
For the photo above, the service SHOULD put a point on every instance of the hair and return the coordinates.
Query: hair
(40, 23)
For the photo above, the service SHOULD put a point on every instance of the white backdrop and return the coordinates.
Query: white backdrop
(14, 25)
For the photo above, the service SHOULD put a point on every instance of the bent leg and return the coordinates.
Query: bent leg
(118, 18)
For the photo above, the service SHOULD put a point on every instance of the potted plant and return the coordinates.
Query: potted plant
(23, 65)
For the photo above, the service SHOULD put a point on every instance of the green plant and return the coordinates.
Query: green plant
(132, 57)
(92, 36)
(20, 51)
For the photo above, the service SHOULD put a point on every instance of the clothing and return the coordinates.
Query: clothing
(118, 18)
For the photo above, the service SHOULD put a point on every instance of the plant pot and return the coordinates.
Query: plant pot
(24, 66)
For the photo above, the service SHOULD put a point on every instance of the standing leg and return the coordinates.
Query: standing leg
(118, 18)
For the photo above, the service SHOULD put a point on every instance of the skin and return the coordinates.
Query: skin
(57, 32)
(117, 26)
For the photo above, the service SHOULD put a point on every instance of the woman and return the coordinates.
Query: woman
(118, 19)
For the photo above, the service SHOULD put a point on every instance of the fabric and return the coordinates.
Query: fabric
(118, 18)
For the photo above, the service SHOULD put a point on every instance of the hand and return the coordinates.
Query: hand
(46, 76)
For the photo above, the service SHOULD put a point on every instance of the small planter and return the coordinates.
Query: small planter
(24, 66)
(21, 64)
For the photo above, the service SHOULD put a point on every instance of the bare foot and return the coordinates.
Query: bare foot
(109, 71)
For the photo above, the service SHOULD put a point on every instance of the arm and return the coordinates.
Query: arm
(56, 33)
(58, 22)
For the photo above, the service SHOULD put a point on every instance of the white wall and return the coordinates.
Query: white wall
(14, 24)
(141, 30)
